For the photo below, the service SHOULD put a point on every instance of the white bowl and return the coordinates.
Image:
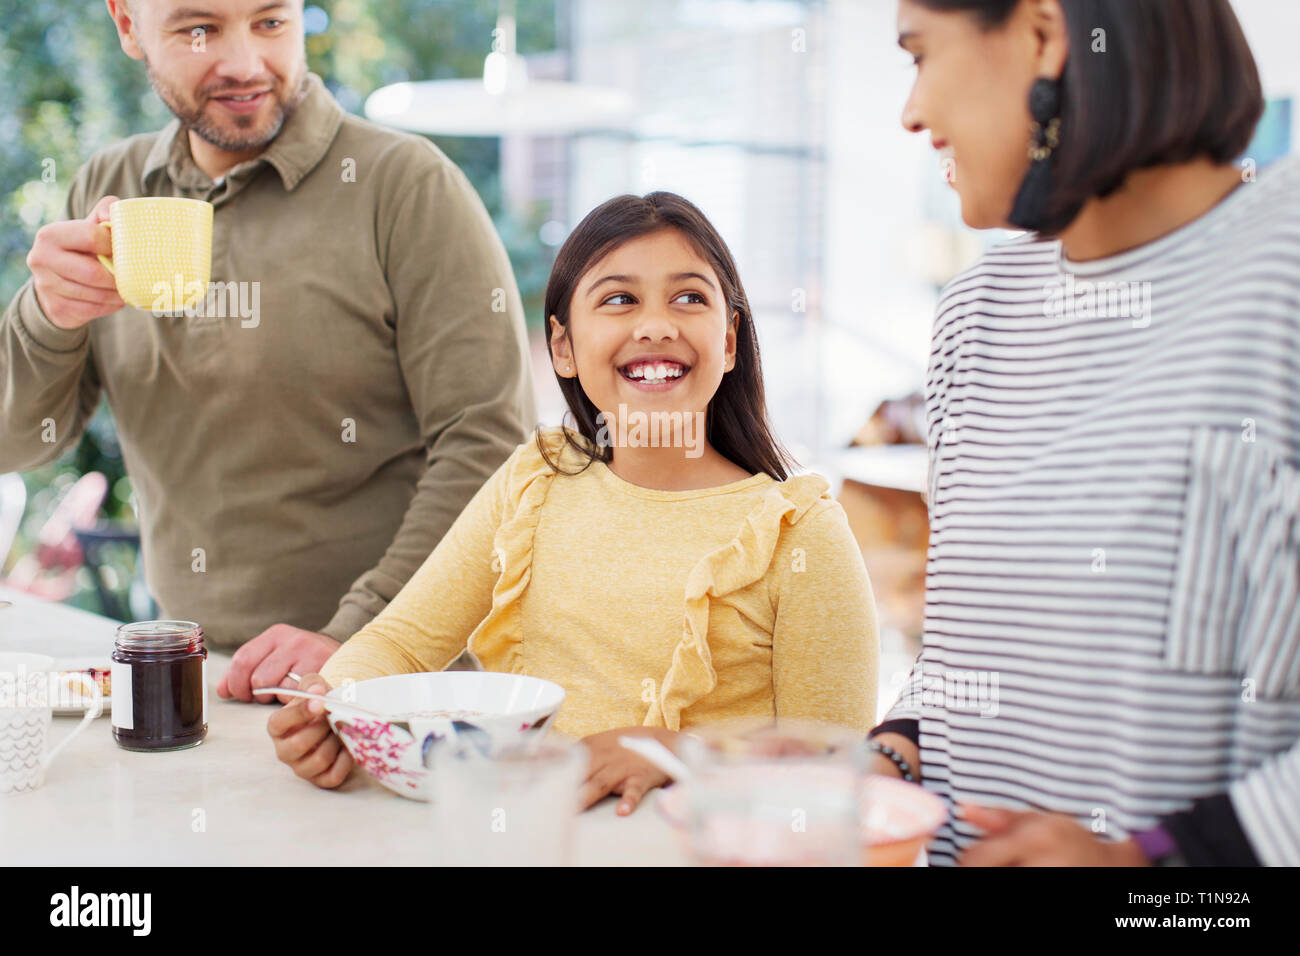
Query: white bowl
(495, 710)
(898, 818)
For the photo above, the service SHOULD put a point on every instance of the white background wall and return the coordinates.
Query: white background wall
(1273, 30)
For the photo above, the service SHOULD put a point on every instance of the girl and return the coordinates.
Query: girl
(1115, 443)
(658, 561)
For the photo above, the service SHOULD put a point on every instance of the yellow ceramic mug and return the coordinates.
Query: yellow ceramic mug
(162, 251)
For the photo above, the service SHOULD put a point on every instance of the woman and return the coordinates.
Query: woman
(1111, 665)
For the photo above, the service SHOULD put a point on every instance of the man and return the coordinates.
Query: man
(297, 457)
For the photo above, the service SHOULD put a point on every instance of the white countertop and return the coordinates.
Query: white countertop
(102, 805)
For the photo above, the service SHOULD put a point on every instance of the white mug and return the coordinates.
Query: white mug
(29, 685)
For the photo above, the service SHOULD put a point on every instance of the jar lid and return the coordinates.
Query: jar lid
(159, 636)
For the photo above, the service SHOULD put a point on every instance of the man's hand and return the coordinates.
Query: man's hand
(267, 659)
(615, 769)
(1017, 838)
(72, 286)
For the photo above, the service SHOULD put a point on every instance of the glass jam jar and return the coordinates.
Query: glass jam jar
(160, 688)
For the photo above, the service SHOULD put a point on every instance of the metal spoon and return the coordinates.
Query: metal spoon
(428, 730)
(659, 755)
(445, 726)
(331, 703)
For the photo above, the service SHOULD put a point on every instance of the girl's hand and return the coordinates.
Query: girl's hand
(615, 769)
(304, 741)
(1017, 838)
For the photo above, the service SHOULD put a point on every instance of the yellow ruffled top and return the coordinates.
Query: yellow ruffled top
(655, 608)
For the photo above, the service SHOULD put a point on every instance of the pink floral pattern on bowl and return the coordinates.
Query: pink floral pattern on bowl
(381, 749)
(507, 709)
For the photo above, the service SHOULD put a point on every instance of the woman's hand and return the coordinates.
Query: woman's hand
(615, 769)
(904, 748)
(1016, 838)
(303, 738)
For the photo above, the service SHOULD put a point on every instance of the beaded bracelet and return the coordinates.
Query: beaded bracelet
(895, 756)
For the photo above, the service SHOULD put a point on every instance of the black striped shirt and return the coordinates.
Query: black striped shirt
(1111, 626)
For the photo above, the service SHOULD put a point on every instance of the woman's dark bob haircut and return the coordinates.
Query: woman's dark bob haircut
(1176, 81)
(736, 422)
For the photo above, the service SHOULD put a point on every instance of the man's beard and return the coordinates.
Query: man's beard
(244, 136)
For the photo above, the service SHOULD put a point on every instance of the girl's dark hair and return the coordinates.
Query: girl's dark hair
(736, 422)
(1177, 81)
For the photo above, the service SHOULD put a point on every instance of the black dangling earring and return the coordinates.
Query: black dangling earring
(1030, 208)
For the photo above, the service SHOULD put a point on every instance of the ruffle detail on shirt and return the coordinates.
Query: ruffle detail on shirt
(498, 637)
(736, 565)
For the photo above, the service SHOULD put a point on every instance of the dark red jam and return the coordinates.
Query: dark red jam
(158, 693)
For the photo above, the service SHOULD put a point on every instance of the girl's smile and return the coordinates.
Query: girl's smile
(654, 349)
(649, 328)
(654, 373)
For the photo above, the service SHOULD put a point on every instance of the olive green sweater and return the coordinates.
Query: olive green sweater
(295, 458)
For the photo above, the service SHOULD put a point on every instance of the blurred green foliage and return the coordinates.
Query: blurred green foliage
(67, 90)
